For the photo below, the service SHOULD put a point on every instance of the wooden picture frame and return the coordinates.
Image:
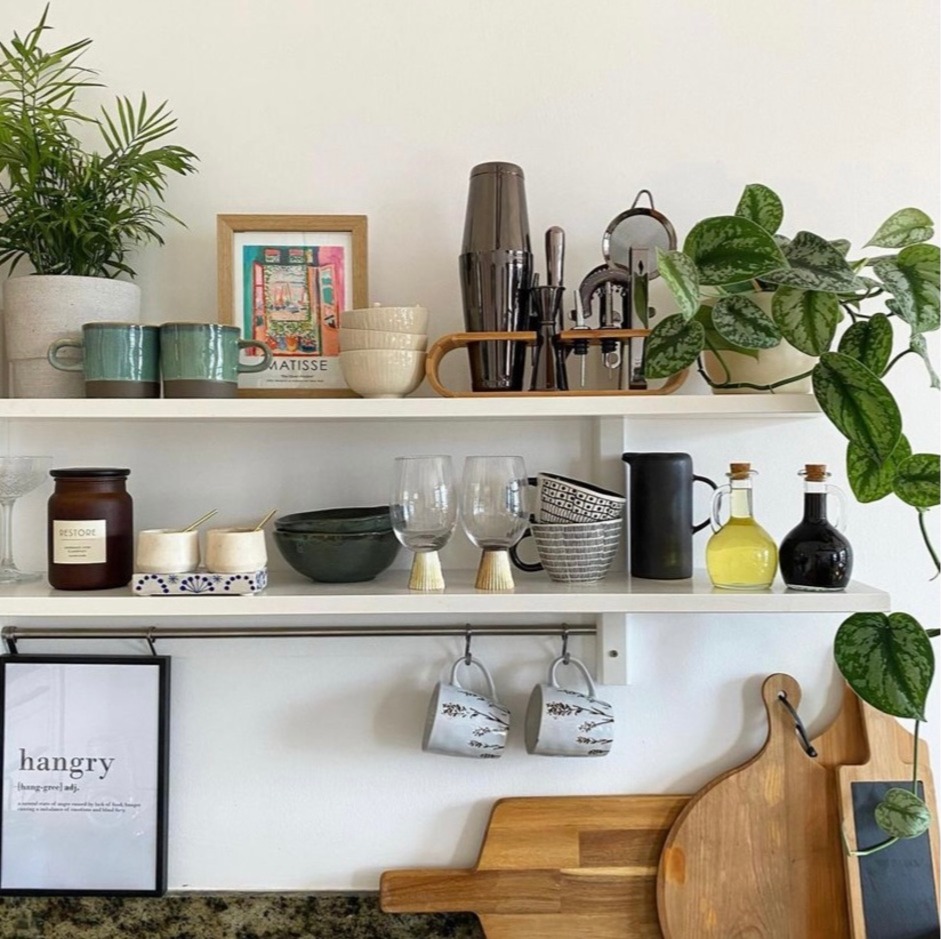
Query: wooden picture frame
(285, 280)
(83, 797)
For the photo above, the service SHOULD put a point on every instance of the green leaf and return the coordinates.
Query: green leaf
(887, 660)
(858, 404)
(761, 205)
(728, 249)
(902, 228)
(872, 481)
(902, 814)
(807, 318)
(912, 278)
(815, 264)
(918, 480)
(682, 278)
(672, 346)
(716, 342)
(741, 322)
(870, 342)
(917, 344)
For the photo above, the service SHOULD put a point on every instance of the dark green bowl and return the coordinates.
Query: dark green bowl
(338, 558)
(346, 520)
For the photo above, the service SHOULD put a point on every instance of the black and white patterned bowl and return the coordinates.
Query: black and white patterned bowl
(577, 553)
(560, 499)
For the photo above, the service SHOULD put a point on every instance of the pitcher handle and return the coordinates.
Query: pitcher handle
(709, 482)
(721, 491)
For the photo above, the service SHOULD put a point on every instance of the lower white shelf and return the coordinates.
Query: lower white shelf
(289, 595)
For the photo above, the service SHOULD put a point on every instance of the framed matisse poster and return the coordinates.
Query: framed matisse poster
(284, 280)
(84, 741)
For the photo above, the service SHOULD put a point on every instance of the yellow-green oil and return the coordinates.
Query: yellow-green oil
(741, 555)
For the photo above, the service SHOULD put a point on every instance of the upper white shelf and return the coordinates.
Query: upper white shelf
(290, 595)
(482, 407)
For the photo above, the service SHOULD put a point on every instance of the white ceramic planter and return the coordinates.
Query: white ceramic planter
(772, 365)
(40, 308)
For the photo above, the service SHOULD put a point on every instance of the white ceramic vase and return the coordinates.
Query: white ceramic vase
(40, 308)
(772, 365)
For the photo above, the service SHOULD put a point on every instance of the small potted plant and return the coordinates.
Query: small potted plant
(72, 214)
(742, 288)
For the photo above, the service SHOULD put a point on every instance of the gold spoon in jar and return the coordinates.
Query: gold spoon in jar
(265, 520)
(200, 520)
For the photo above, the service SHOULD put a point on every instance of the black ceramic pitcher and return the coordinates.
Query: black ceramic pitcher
(660, 503)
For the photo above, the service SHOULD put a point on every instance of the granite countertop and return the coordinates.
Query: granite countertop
(224, 916)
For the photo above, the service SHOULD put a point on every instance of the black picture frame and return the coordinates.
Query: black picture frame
(92, 822)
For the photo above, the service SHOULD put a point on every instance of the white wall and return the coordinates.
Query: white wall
(296, 765)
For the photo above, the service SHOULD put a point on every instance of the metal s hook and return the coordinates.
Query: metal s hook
(566, 655)
(150, 641)
(468, 658)
(798, 725)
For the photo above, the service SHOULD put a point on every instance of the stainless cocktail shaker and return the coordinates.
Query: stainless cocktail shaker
(496, 273)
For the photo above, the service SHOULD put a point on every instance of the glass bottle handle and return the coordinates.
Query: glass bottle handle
(842, 506)
(717, 497)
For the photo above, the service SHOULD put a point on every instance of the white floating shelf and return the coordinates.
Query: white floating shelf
(389, 594)
(482, 407)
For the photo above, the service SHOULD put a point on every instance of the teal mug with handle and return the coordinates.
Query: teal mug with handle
(201, 360)
(119, 360)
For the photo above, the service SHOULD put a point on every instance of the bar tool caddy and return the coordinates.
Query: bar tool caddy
(506, 309)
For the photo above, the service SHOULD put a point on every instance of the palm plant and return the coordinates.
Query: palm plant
(66, 209)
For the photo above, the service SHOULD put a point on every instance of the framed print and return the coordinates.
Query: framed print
(284, 280)
(84, 790)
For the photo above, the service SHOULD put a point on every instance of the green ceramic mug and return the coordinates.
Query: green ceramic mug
(120, 360)
(201, 360)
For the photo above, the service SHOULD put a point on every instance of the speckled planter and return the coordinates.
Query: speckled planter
(40, 308)
(224, 916)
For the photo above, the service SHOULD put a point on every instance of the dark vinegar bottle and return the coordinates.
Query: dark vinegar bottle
(815, 555)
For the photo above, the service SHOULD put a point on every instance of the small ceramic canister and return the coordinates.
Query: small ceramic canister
(560, 722)
(235, 550)
(463, 723)
(167, 551)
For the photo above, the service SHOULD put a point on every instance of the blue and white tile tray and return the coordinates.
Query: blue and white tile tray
(198, 583)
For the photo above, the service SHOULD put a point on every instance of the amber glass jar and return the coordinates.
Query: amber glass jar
(91, 529)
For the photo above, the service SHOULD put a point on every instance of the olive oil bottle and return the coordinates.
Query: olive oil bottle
(740, 555)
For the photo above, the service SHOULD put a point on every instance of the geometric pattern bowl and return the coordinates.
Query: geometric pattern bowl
(577, 553)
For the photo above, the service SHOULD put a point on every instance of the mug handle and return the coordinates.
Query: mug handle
(52, 354)
(580, 665)
(470, 660)
(265, 351)
(518, 561)
(709, 482)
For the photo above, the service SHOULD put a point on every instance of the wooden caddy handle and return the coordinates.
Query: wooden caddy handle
(452, 341)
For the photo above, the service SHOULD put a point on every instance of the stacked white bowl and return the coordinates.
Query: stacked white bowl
(382, 350)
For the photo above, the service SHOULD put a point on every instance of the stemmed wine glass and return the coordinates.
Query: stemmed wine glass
(423, 506)
(493, 513)
(18, 476)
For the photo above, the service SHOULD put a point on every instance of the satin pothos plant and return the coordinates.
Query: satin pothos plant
(885, 299)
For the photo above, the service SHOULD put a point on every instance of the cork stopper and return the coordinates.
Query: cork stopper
(815, 472)
(739, 470)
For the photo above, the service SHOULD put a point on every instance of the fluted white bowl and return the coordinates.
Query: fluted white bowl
(383, 373)
(396, 319)
(352, 339)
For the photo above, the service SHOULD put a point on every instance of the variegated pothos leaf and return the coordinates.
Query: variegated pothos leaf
(918, 480)
(681, 276)
(912, 278)
(712, 339)
(870, 342)
(858, 404)
(902, 228)
(740, 321)
(887, 660)
(918, 344)
(815, 264)
(672, 346)
(727, 249)
(872, 481)
(902, 814)
(762, 206)
(807, 318)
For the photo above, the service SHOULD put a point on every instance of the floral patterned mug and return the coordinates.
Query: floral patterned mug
(561, 722)
(461, 722)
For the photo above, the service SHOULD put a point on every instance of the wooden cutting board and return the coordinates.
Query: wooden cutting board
(575, 867)
(894, 892)
(757, 852)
